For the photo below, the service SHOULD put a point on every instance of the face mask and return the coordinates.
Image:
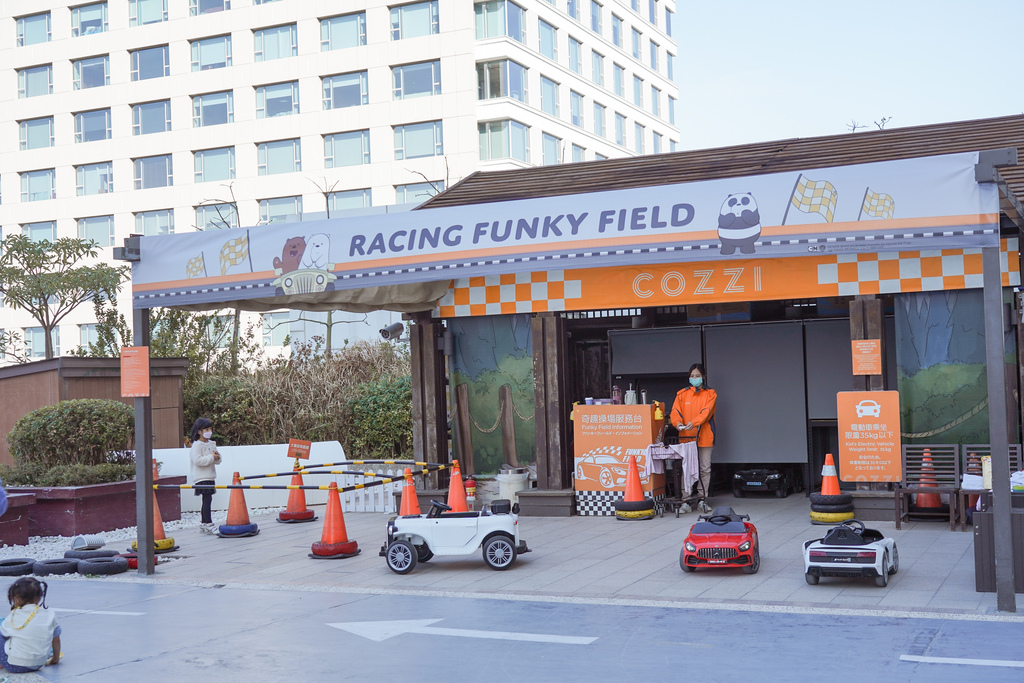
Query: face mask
(207, 434)
(696, 381)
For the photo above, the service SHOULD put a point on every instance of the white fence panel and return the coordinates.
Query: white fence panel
(372, 499)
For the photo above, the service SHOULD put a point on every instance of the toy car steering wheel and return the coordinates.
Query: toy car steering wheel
(719, 519)
(444, 508)
(855, 524)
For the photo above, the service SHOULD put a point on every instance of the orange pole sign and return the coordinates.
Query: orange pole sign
(298, 448)
(869, 436)
(134, 371)
(867, 356)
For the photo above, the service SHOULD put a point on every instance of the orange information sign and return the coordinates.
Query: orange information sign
(869, 436)
(867, 356)
(134, 371)
(297, 448)
(605, 437)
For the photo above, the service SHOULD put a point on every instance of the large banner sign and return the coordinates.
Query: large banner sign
(924, 203)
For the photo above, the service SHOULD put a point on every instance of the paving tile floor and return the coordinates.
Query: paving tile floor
(602, 558)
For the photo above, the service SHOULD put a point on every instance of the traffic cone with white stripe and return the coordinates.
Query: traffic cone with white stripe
(633, 504)
(927, 501)
(829, 477)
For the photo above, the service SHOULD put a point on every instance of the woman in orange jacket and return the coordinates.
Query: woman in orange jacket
(693, 414)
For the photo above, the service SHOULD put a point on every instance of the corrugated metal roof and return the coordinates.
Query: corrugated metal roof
(741, 160)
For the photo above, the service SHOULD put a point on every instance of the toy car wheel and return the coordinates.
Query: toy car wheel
(882, 580)
(423, 553)
(401, 557)
(682, 562)
(783, 490)
(738, 492)
(606, 479)
(895, 567)
(580, 476)
(499, 552)
(811, 579)
(755, 564)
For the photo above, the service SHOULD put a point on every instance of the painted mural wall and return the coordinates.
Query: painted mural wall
(492, 384)
(940, 356)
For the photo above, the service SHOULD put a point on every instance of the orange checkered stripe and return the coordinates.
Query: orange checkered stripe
(504, 294)
(916, 271)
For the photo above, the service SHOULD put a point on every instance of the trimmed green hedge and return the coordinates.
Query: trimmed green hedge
(89, 431)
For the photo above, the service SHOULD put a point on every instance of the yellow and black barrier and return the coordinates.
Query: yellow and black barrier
(432, 467)
(312, 469)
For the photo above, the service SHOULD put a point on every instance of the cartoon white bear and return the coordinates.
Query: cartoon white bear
(739, 223)
(318, 252)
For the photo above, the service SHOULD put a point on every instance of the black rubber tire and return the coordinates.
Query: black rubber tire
(682, 562)
(424, 553)
(16, 566)
(102, 566)
(89, 554)
(738, 493)
(237, 529)
(895, 560)
(401, 557)
(848, 507)
(752, 568)
(811, 579)
(635, 505)
(882, 580)
(499, 552)
(783, 491)
(54, 567)
(841, 499)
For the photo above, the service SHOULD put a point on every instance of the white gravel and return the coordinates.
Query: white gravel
(50, 547)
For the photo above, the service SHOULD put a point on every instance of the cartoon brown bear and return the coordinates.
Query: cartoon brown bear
(291, 255)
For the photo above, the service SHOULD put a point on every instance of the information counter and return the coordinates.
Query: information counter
(605, 437)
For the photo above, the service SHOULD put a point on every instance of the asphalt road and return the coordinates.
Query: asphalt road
(174, 633)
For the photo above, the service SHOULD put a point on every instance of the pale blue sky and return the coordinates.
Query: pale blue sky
(755, 70)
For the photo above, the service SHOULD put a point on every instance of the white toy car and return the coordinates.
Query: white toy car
(850, 550)
(417, 538)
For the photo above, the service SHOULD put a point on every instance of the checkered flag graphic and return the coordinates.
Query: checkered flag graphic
(877, 205)
(813, 196)
(196, 267)
(234, 252)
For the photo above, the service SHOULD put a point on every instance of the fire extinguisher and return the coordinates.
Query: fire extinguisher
(470, 485)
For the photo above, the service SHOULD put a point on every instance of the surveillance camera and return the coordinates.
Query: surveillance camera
(392, 331)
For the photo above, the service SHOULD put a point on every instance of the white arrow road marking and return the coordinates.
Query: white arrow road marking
(95, 611)
(382, 630)
(956, 660)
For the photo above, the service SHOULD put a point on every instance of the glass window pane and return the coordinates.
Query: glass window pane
(92, 125)
(35, 81)
(280, 209)
(417, 80)
(341, 32)
(418, 140)
(216, 216)
(151, 117)
(345, 90)
(34, 29)
(91, 73)
(215, 164)
(38, 232)
(349, 199)
(150, 63)
(211, 53)
(281, 156)
(94, 178)
(153, 172)
(37, 186)
(99, 229)
(280, 99)
(212, 109)
(417, 192)
(276, 43)
(548, 37)
(347, 149)
(142, 12)
(89, 19)
(550, 149)
(414, 20)
(155, 222)
(36, 133)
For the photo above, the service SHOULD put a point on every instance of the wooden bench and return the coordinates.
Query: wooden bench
(929, 468)
(970, 463)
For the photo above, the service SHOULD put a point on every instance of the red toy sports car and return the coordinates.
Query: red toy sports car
(721, 539)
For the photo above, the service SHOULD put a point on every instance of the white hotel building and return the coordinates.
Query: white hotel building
(155, 116)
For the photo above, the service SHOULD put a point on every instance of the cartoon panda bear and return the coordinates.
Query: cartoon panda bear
(739, 223)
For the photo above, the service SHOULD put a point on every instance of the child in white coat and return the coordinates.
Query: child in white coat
(30, 634)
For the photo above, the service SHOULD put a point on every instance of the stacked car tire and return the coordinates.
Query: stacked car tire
(831, 509)
(85, 562)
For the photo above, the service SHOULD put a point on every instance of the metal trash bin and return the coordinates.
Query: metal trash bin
(512, 480)
(88, 542)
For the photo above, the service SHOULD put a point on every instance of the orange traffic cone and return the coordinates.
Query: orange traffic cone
(410, 501)
(634, 491)
(161, 543)
(829, 477)
(634, 505)
(334, 543)
(928, 500)
(238, 514)
(456, 491)
(297, 510)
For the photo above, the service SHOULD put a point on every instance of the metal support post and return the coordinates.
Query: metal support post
(143, 457)
(998, 433)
